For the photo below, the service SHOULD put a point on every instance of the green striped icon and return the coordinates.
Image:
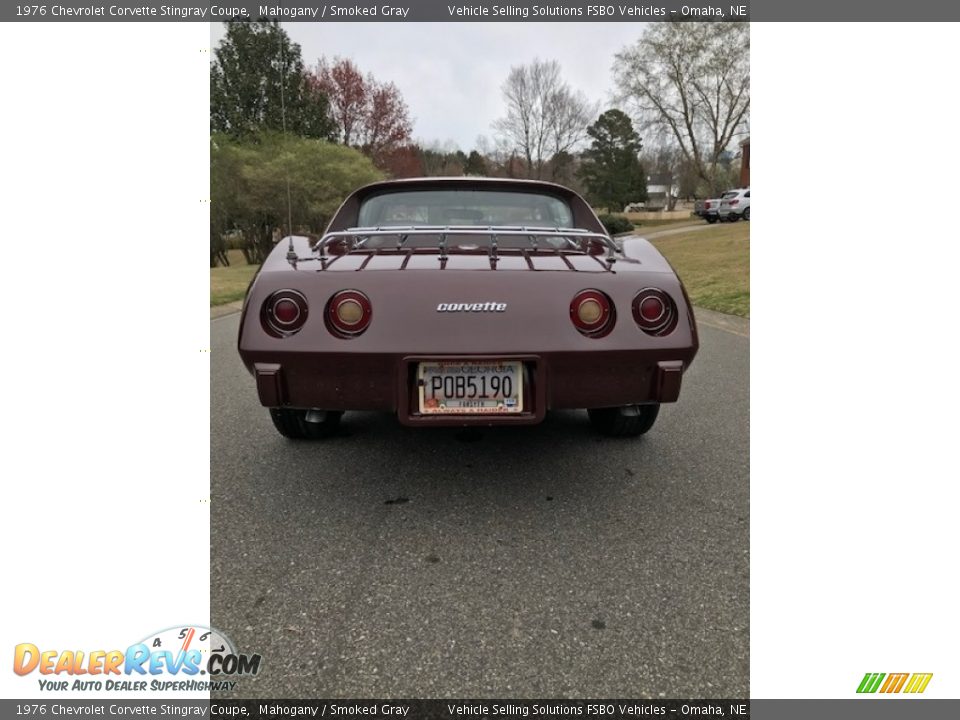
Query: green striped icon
(871, 682)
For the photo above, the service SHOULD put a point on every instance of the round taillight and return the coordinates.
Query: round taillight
(591, 312)
(284, 313)
(348, 313)
(652, 309)
(655, 312)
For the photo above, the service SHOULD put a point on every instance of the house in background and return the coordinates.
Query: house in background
(745, 163)
(661, 191)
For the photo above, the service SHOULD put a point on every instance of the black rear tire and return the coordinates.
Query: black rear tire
(746, 214)
(293, 424)
(711, 220)
(628, 421)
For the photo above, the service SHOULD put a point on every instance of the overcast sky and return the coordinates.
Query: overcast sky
(450, 73)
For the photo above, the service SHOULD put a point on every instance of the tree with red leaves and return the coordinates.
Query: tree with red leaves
(404, 161)
(346, 92)
(368, 114)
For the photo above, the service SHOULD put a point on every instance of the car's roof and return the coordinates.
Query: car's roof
(465, 180)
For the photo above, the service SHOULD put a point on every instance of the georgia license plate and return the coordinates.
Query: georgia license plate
(482, 387)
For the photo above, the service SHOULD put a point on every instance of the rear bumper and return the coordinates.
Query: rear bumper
(386, 382)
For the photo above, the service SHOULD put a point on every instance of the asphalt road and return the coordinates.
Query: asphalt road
(529, 563)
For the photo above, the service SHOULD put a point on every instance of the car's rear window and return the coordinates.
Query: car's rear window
(464, 207)
(729, 195)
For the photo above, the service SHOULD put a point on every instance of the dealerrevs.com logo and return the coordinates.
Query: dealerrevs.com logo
(181, 658)
(911, 683)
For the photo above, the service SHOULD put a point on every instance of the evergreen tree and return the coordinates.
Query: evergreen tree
(256, 72)
(476, 165)
(612, 171)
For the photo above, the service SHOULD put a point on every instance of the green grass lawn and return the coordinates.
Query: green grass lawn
(664, 224)
(714, 264)
(228, 284)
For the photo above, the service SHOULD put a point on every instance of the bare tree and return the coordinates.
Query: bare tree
(571, 114)
(544, 115)
(690, 82)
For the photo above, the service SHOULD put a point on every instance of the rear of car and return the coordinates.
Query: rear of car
(734, 205)
(464, 303)
(707, 209)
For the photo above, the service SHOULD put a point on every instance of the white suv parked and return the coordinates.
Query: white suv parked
(735, 204)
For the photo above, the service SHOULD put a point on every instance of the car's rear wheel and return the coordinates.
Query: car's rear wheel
(711, 220)
(627, 421)
(746, 214)
(305, 424)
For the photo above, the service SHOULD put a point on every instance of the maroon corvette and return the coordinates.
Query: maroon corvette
(466, 301)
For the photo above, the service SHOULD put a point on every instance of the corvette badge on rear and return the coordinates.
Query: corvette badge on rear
(472, 307)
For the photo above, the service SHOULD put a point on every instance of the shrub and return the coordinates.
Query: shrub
(250, 181)
(616, 224)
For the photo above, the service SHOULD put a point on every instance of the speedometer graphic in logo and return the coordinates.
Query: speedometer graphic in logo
(202, 648)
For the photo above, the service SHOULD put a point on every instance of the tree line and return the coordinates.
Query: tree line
(289, 142)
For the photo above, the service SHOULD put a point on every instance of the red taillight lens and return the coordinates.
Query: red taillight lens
(734, 202)
(348, 313)
(655, 312)
(652, 309)
(592, 313)
(706, 206)
(284, 313)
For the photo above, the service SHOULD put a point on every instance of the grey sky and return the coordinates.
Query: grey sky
(450, 73)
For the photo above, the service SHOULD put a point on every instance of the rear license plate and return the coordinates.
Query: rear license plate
(479, 387)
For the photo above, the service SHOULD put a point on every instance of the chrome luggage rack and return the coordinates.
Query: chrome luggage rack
(360, 236)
